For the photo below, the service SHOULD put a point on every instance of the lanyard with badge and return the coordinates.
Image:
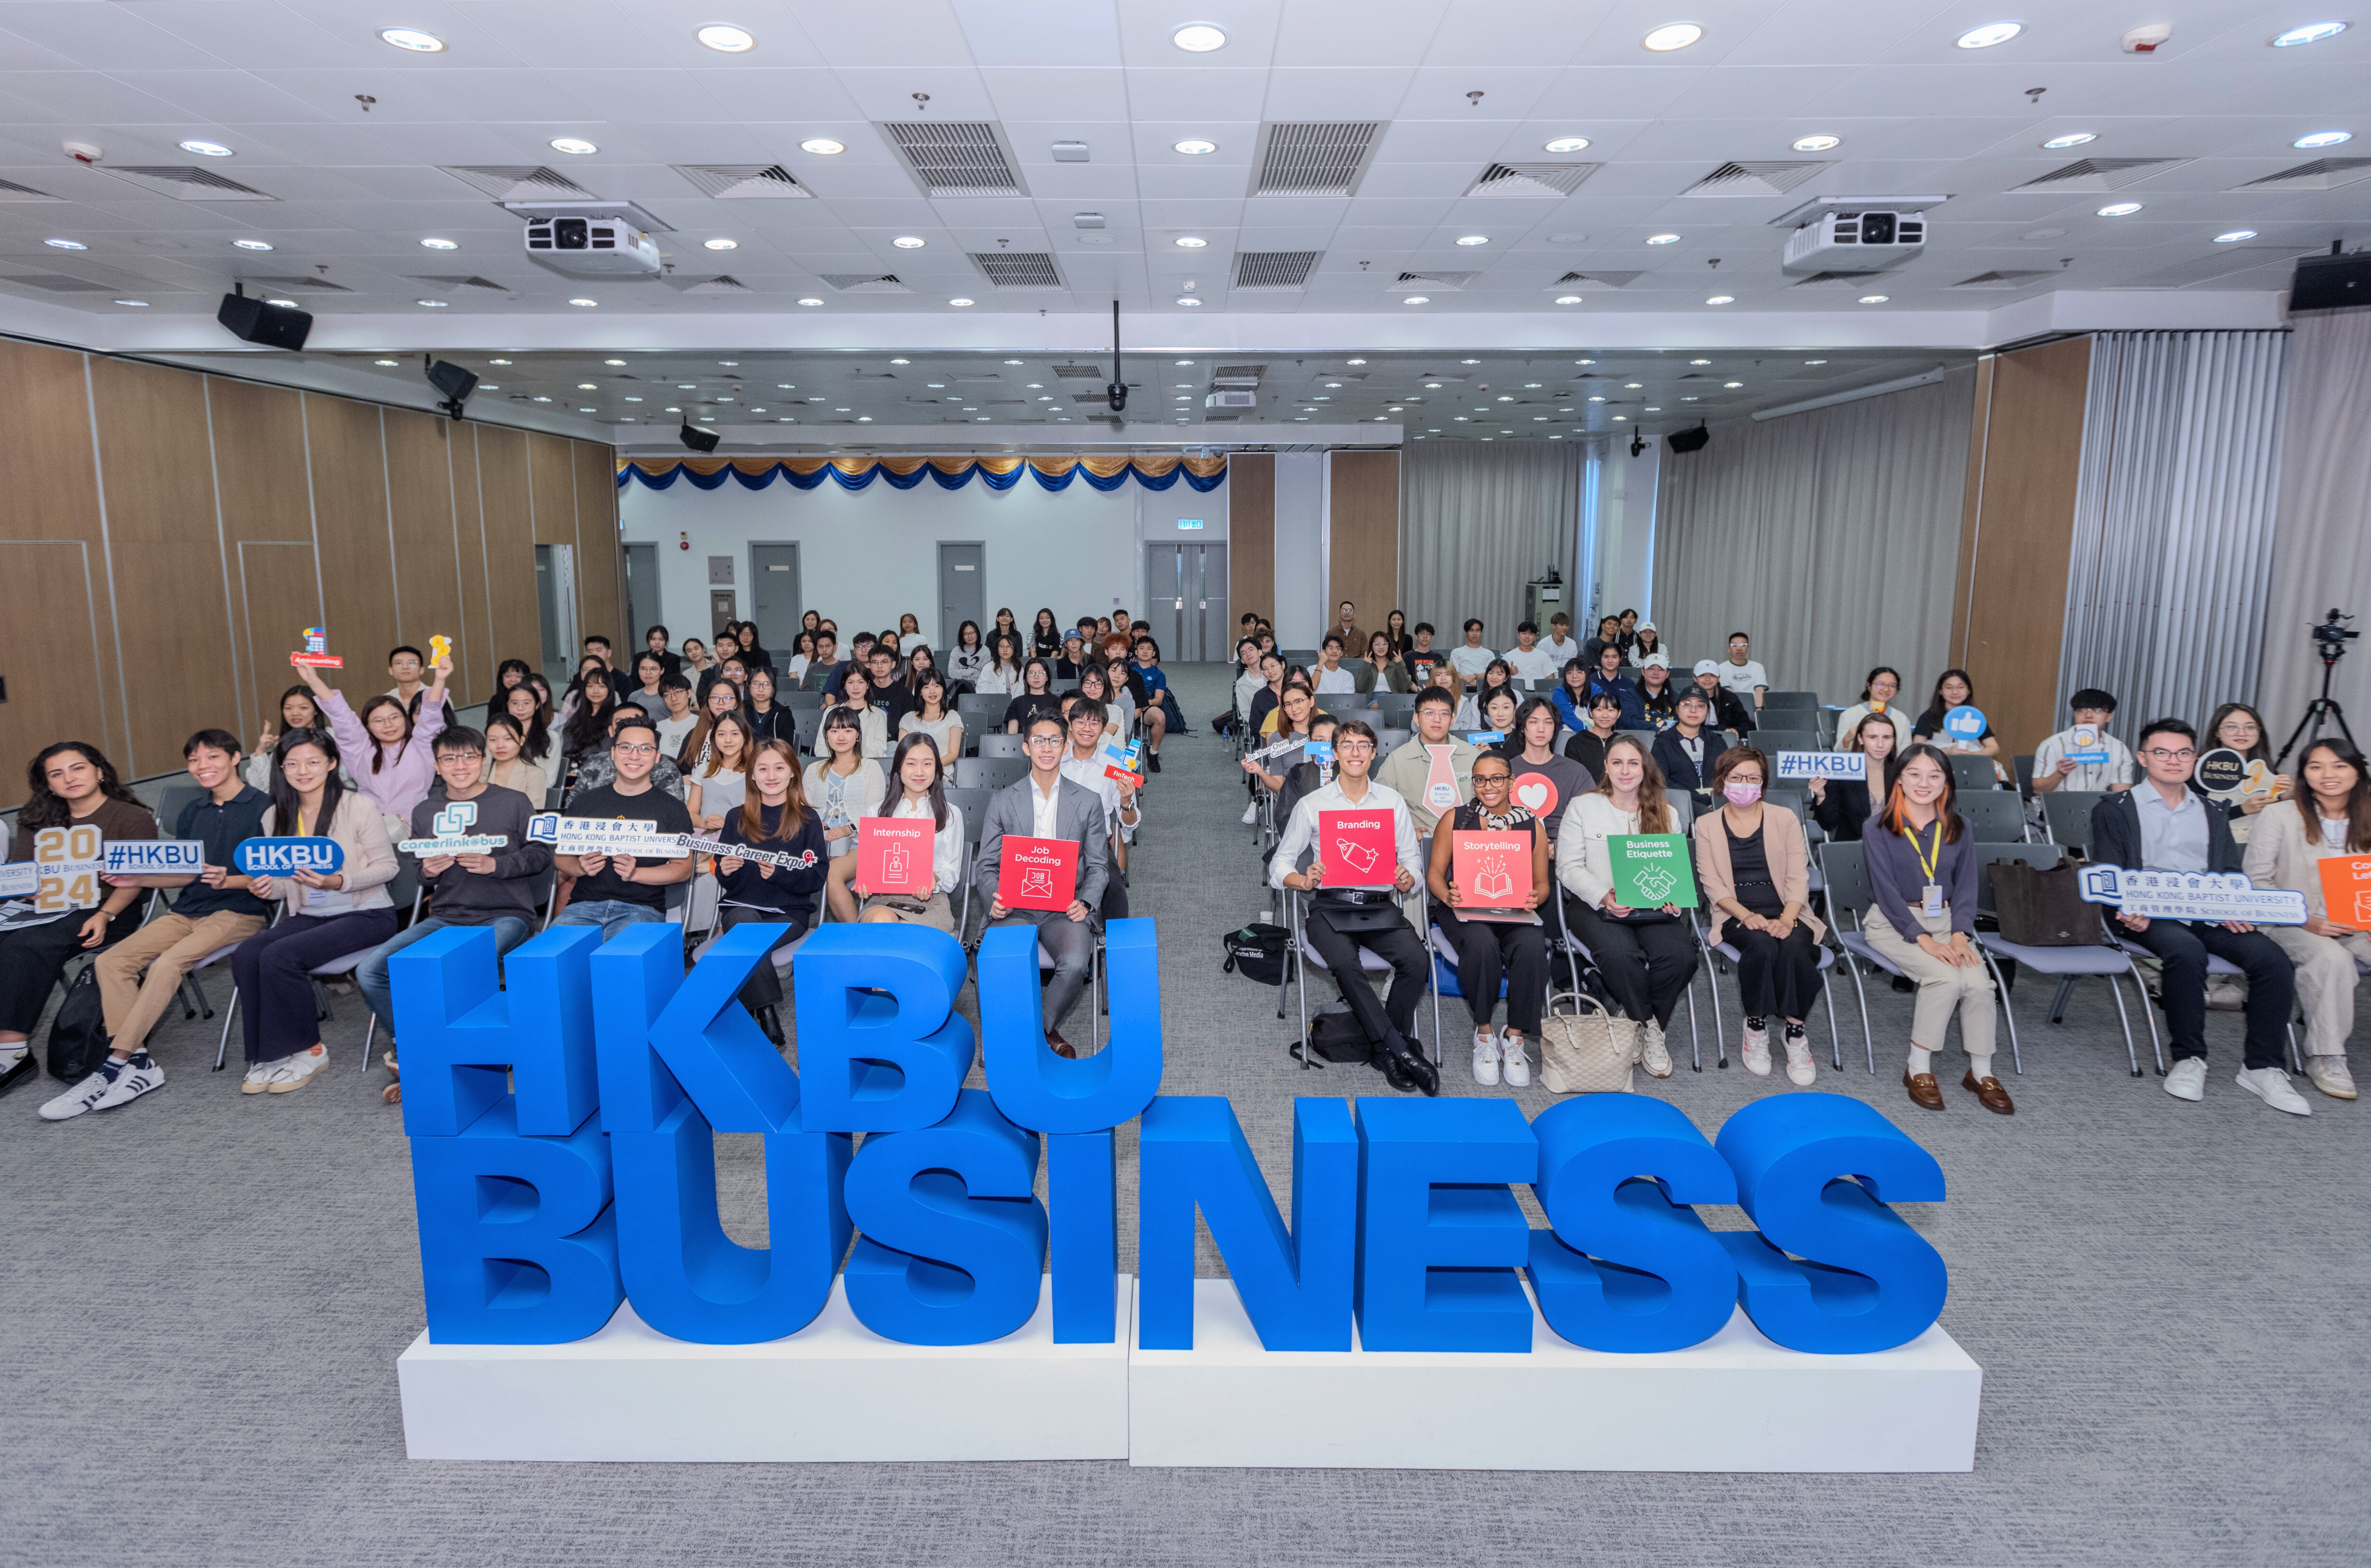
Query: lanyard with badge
(1931, 903)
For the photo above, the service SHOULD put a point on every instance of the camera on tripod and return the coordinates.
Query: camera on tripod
(2331, 637)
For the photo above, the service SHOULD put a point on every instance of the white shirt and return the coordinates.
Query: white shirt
(2173, 838)
(946, 731)
(2116, 770)
(1300, 832)
(1742, 679)
(672, 732)
(1337, 679)
(995, 682)
(1246, 688)
(1537, 664)
(1470, 661)
(1089, 775)
(947, 843)
(1042, 803)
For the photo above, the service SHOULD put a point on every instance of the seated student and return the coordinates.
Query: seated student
(504, 765)
(1924, 867)
(1424, 662)
(1160, 704)
(1952, 689)
(1688, 753)
(405, 664)
(767, 719)
(1343, 921)
(1658, 700)
(328, 914)
(841, 785)
(70, 784)
(871, 719)
(930, 716)
(696, 658)
(1648, 956)
(968, 657)
(587, 729)
(1609, 635)
(888, 692)
(1307, 774)
(921, 792)
(597, 647)
(1645, 640)
(616, 891)
(510, 673)
(2163, 825)
(494, 887)
(1741, 674)
(1036, 698)
(1755, 867)
(1046, 804)
(731, 675)
(1269, 692)
(1407, 772)
(1571, 696)
(573, 698)
(1877, 694)
(802, 655)
(1588, 744)
(1497, 676)
(525, 707)
(297, 711)
(722, 699)
(2331, 818)
(2240, 728)
(1527, 658)
(2054, 767)
(1002, 675)
(599, 767)
(1498, 710)
(1728, 710)
(1488, 951)
(675, 725)
(1082, 763)
(772, 816)
(1607, 677)
(1044, 637)
(1380, 670)
(1331, 676)
(649, 670)
(388, 751)
(654, 640)
(821, 675)
(909, 633)
(1843, 807)
(1546, 781)
(1293, 719)
(1470, 658)
(713, 787)
(1558, 644)
(1073, 658)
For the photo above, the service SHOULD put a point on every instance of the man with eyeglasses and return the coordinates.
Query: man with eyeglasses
(1047, 806)
(1083, 764)
(619, 891)
(2165, 825)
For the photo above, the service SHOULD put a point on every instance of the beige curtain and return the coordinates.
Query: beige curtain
(2322, 537)
(1477, 521)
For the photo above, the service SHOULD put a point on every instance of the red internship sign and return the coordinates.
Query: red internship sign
(1038, 874)
(894, 855)
(1357, 849)
(1493, 870)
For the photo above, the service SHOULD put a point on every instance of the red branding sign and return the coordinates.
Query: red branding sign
(1356, 849)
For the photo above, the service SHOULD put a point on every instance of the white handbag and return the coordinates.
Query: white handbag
(1586, 1052)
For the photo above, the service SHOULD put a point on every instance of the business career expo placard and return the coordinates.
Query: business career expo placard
(612, 1120)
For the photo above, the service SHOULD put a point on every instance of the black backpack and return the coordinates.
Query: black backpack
(1335, 1036)
(1256, 952)
(78, 1037)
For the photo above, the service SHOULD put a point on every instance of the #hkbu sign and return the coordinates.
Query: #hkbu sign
(1403, 1218)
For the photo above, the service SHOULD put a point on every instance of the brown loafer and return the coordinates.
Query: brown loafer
(1925, 1092)
(1996, 1099)
(1058, 1046)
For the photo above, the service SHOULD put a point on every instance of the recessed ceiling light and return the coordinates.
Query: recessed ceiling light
(67, 244)
(728, 39)
(1597, 400)
(810, 302)
(1626, 386)
(1662, 239)
(412, 39)
(909, 242)
(1732, 386)
(587, 387)
(1672, 35)
(958, 302)
(585, 302)
(1354, 362)
(1699, 362)
(1187, 299)
(386, 362)
(252, 244)
(2120, 209)
(441, 244)
(1819, 143)
(498, 362)
(1189, 242)
(2312, 32)
(206, 149)
(1474, 239)
(434, 303)
(1199, 37)
(822, 146)
(786, 385)
(1815, 362)
(1194, 147)
(685, 385)
(1874, 298)
(1418, 299)
(1568, 299)
(633, 400)
(722, 244)
(613, 362)
(1722, 300)
(2072, 139)
(1469, 362)
(1181, 362)
(2234, 236)
(1989, 34)
(136, 304)
(2323, 139)
(1566, 144)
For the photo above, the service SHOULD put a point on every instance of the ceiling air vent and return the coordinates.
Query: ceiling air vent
(1018, 269)
(1548, 181)
(184, 184)
(955, 157)
(1611, 279)
(2100, 173)
(1434, 280)
(12, 191)
(2005, 278)
(1079, 372)
(1273, 269)
(1222, 419)
(518, 182)
(1238, 375)
(1768, 178)
(1315, 159)
(865, 283)
(58, 282)
(1834, 277)
(1087, 398)
(723, 282)
(435, 280)
(742, 181)
(2316, 174)
(2224, 261)
(298, 285)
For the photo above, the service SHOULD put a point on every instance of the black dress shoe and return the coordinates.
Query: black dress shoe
(1394, 1074)
(1423, 1074)
(25, 1068)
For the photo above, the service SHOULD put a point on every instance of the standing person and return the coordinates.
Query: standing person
(968, 657)
(1083, 764)
(1843, 807)
(1689, 753)
(1546, 781)
(1727, 709)
(400, 767)
(1588, 744)
(1407, 772)
(506, 766)
(649, 670)
(1558, 644)
(2054, 767)
(716, 786)
(1003, 676)
(297, 711)
(1756, 872)
(616, 891)
(2163, 825)
(1952, 689)
(1036, 697)
(1489, 951)
(1379, 671)
(2240, 728)
(841, 784)
(767, 719)
(1527, 658)
(1044, 637)
(1343, 921)
(930, 716)
(1044, 805)
(1923, 871)
(1648, 956)
(328, 914)
(1469, 659)
(772, 816)
(1876, 696)
(2331, 818)
(921, 792)
(1742, 677)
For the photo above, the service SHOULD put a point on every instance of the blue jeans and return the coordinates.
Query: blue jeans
(371, 975)
(612, 915)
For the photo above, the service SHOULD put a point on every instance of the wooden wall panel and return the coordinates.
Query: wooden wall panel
(70, 646)
(55, 589)
(260, 471)
(1251, 535)
(598, 549)
(474, 656)
(2011, 606)
(510, 544)
(45, 414)
(350, 530)
(1364, 529)
(277, 589)
(419, 511)
(553, 483)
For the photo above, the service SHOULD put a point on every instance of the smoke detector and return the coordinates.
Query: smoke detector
(2145, 40)
(83, 152)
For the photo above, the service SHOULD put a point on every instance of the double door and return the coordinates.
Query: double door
(1186, 601)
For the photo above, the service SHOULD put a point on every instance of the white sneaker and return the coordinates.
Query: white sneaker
(2187, 1078)
(83, 1096)
(1518, 1065)
(140, 1074)
(2272, 1086)
(1757, 1052)
(1486, 1060)
(1653, 1054)
(258, 1077)
(2328, 1074)
(1250, 813)
(293, 1072)
(1800, 1071)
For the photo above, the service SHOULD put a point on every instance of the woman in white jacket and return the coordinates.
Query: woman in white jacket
(2330, 820)
(1648, 956)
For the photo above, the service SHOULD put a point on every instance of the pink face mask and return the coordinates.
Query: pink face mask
(1741, 793)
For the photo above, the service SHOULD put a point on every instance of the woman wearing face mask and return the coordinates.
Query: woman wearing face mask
(1843, 807)
(1923, 868)
(1490, 950)
(2240, 728)
(1756, 872)
(1648, 956)
(2332, 816)
(841, 784)
(1877, 694)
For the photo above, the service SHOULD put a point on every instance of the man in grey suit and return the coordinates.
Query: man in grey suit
(1047, 806)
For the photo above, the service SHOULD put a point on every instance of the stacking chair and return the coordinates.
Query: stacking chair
(2066, 818)
(801, 700)
(1844, 865)
(1973, 774)
(805, 725)
(990, 773)
(1996, 815)
(1577, 955)
(1771, 741)
(1390, 740)
(997, 744)
(2103, 960)
(1300, 954)
(1399, 708)
(1805, 701)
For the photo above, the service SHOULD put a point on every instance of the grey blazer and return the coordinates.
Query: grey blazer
(1078, 816)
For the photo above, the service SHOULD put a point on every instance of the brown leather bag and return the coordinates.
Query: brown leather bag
(2042, 908)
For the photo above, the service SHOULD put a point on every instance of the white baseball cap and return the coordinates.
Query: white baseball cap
(1656, 661)
(1705, 667)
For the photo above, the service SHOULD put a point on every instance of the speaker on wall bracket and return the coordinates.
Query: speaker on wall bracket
(260, 321)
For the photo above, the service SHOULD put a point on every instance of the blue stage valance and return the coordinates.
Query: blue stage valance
(905, 474)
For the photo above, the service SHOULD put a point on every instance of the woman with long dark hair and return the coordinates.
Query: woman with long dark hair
(969, 655)
(931, 716)
(1035, 699)
(1491, 950)
(1876, 696)
(1001, 677)
(1843, 807)
(524, 706)
(1395, 629)
(2330, 818)
(588, 726)
(297, 711)
(2236, 726)
(773, 817)
(1648, 956)
(841, 784)
(1952, 689)
(918, 785)
(1046, 637)
(401, 751)
(715, 788)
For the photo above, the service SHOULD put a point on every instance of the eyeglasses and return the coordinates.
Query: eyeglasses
(1354, 748)
(1044, 741)
(637, 749)
(459, 756)
(2184, 755)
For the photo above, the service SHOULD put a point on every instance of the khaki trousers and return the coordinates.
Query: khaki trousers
(1943, 989)
(168, 948)
(2325, 982)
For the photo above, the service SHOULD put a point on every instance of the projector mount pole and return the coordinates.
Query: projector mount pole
(1117, 393)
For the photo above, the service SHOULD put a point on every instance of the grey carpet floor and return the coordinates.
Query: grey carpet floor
(204, 1296)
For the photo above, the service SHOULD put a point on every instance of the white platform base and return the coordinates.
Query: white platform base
(1735, 1403)
(833, 1390)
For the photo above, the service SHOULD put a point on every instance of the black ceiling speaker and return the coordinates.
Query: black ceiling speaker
(456, 383)
(254, 321)
(2331, 283)
(697, 439)
(1688, 440)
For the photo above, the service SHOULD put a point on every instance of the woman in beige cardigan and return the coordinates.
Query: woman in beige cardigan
(1756, 870)
(2330, 818)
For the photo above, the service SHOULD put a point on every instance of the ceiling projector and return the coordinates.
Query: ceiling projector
(1855, 243)
(586, 240)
